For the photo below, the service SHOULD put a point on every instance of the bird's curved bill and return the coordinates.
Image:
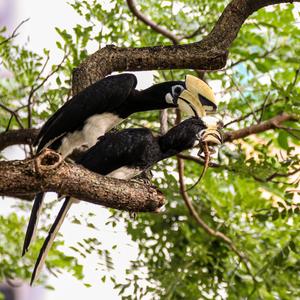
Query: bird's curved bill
(202, 92)
(190, 99)
(212, 136)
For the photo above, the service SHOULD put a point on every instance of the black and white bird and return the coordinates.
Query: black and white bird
(105, 104)
(127, 153)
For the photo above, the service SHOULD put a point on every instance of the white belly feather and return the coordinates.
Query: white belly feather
(94, 127)
(124, 173)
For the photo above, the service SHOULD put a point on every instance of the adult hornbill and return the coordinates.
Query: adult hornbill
(105, 104)
(127, 153)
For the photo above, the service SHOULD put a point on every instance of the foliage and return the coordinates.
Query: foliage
(246, 197)
(11, 266)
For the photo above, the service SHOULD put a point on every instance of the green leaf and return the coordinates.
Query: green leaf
(283, 140)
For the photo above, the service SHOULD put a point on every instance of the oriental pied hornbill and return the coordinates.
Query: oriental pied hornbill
(105, 104)
(127, 153)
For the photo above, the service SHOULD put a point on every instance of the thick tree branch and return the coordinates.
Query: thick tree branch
(47, 172)
(208, 54)
(112, 58)
(272, 123)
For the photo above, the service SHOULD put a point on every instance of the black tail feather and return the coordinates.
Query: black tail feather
(33, 221)
(50, 238)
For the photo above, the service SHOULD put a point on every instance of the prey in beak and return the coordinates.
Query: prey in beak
(208, 139)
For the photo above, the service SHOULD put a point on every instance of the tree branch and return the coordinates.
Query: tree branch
(48, 172)
(164, 31)
(13, 114)
(272, 123)
(17, 137)
(112, 58)
(14, 33)
(208, 54)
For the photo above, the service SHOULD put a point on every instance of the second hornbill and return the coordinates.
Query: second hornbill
(103, 105)
(127, 153)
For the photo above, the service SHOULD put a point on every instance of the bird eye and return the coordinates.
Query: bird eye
(176, 90)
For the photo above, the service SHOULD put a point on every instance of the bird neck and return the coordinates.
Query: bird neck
(153, 98)
(180, 137)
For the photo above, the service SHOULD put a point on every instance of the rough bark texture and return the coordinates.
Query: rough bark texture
(208, 54)
(112, 58)
(49, 173)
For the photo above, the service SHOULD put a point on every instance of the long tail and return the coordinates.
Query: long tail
(33, 221)
(50, 238)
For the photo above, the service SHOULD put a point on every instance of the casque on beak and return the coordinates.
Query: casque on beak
(190, 99)
(199, 96)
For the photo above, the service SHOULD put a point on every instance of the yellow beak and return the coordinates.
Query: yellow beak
(202, 92)
(193, 102)
(212, 136)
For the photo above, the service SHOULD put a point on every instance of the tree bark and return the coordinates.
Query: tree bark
(47, 172)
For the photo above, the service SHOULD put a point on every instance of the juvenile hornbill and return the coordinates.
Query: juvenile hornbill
(103, 105)
(127, 153)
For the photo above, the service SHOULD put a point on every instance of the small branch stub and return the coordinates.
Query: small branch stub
(47, 160)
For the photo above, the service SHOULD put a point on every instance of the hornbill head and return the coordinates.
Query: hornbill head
(194, 97)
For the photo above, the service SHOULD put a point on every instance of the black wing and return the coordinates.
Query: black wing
(103, 96)
(135, 147)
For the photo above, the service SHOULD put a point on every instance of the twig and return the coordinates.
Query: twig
(32, 91)
(251, 113)
(35, 88)
(221, 236)
(163, 120)
(14, 34)
(199, 30)
(13, 113)
(274, 175)
(289, 130)
(198, 160)
(263, 55)
(296, 77)
(165, 32)
(263, 107)
(245, 99)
